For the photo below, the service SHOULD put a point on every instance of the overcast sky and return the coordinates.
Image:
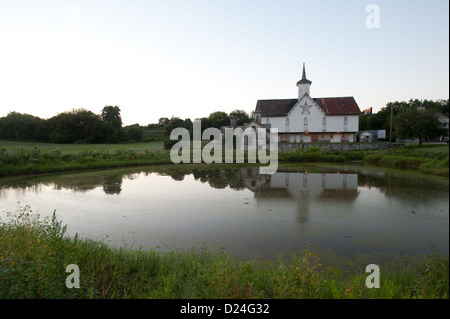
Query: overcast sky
(188, 58)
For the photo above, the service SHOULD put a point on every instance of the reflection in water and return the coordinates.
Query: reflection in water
(339, 185)
(349, 211)
(110, 182)
(302, 189)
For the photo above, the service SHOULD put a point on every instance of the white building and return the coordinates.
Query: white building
(306, 119)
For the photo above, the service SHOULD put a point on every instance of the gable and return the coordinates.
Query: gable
(306, 105)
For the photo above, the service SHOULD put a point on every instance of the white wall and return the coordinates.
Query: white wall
(303, 89)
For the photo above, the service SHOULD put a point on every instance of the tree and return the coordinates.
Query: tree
(77, 126)
(132, 133)
(382, 119)
(241, 117)
(218, 119)
(111, 116)
(91, 128)
(416, 123)
(163, 121)
(176, 122)
(20, 127)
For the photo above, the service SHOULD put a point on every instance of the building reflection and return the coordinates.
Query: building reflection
(295, 192)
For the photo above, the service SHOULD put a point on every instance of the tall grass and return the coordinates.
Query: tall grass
(34, 160)
(435, 163)
(35, 251)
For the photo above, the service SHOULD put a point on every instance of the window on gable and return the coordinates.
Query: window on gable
(287, 124)
(324, 124)
(305, 124)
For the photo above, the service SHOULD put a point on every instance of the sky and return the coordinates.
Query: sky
(189, 58)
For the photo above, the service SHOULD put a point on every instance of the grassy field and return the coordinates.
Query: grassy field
(11, 146)
(35, 252)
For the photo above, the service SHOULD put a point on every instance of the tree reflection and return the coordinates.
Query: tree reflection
(330, 184)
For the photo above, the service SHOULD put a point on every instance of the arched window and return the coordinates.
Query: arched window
(287, 124)
(345, 124)
(305, 124)
(324, 124)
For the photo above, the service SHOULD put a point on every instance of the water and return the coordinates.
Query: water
(346, 211)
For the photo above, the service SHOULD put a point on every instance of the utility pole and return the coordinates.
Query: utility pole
(390, 128)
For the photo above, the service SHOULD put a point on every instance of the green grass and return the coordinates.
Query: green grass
(12, 146)
(34, 253)
(29, 159)
(19, 158)
(432, 148)
(430, 159)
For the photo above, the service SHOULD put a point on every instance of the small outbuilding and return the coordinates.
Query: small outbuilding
(365, 136)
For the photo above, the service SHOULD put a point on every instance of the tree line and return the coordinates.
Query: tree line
(414, 119)
(75, 126)
(85, 127)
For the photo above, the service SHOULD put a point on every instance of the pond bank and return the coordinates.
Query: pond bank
(35, 253)
(33, 161)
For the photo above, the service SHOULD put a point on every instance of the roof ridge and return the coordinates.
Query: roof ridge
(334, 97)
(278, 99)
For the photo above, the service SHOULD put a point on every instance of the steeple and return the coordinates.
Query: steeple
(304, 84)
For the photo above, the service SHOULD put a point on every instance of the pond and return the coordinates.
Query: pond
(341, 211)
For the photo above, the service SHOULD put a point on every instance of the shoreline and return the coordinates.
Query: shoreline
(36, 254)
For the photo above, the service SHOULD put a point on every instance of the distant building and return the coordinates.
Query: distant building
(306, 119)
(254, 126)
(444, 121)
(371, 135)
(365, 136)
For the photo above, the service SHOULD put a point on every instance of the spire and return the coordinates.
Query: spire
(304, 80)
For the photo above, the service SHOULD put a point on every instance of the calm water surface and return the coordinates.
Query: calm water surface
(349, 211)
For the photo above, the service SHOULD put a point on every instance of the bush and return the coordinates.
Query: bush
(168, 143)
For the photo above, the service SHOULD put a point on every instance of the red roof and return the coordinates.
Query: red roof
(329, 105)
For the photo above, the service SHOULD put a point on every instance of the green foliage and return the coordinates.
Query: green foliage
(111, 115)
(76, 126)
(421, 124)
(173, 123)
(241, 117)
(382, 119)
(435, 163)
(311, 154)
(20, 127)
(33, 161)
(132, 133)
